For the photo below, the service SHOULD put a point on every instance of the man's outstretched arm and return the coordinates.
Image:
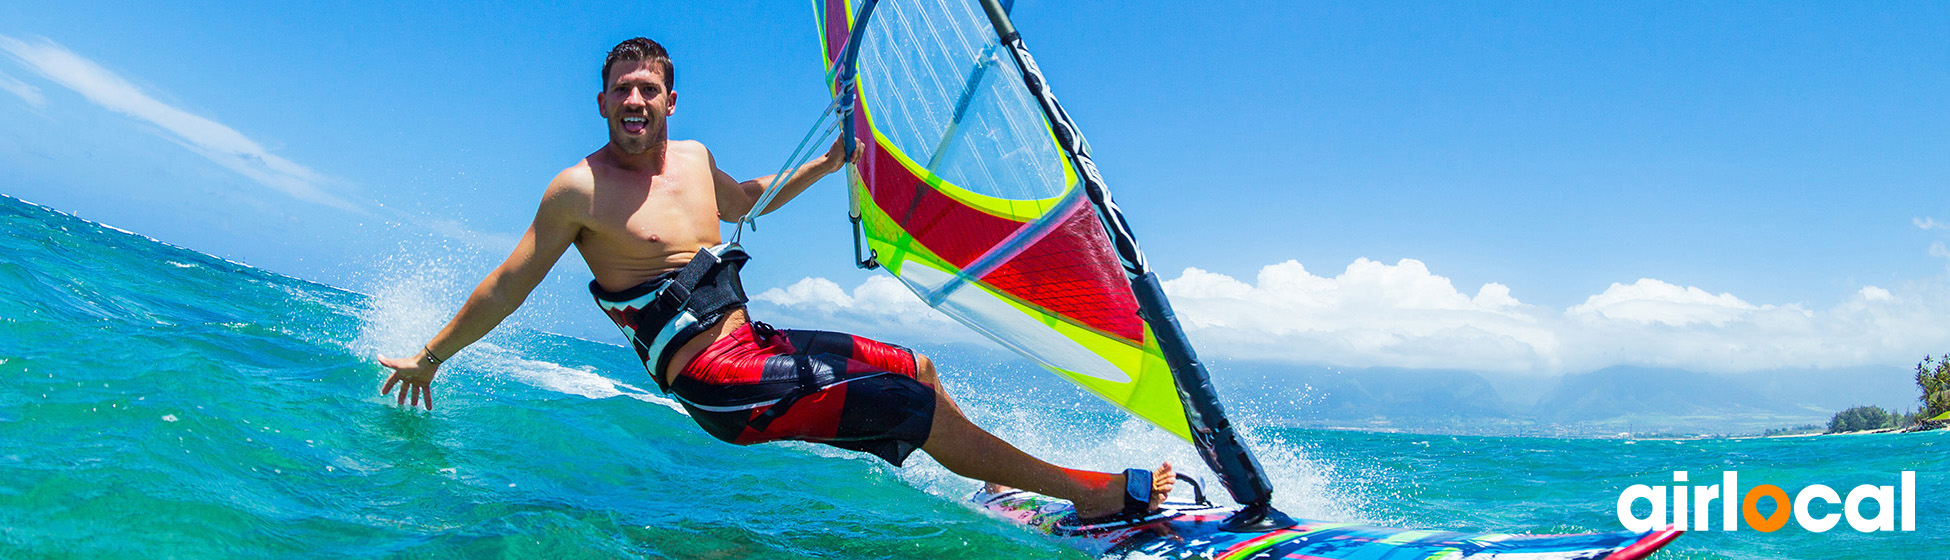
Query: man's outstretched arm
(497, 296)
(735, 199)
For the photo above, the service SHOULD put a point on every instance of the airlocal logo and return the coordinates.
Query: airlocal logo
(1802, 509)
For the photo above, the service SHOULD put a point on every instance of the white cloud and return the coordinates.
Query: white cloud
(29, 93)
(1722, 334)
(210, 139)
(1371, 314)
(881, 307)
(1651, 301)
(818, 293)
(1929, 223)
(1402, 315)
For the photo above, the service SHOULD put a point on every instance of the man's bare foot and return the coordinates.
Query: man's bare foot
(1110, 500)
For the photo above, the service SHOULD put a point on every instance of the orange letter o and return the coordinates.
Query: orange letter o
(1770, 523)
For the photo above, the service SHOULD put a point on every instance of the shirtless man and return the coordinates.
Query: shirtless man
(639, 210)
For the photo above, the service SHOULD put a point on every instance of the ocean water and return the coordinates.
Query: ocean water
(156, 402)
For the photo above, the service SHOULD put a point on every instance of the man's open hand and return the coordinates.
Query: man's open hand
(415, 373)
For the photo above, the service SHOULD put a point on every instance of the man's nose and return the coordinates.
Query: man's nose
(636, 97)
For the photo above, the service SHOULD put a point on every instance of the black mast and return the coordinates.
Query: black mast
(1217, 443)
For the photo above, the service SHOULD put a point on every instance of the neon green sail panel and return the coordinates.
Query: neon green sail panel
(967, 198)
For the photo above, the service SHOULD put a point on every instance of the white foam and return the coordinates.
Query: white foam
(1303, 486)
(408, 309)
(549, 376)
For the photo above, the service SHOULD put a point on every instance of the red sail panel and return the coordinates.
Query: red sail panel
(836, 28)
(1073, 272)
(952, 230)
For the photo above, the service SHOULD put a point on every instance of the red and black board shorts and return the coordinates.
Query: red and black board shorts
(758, 384)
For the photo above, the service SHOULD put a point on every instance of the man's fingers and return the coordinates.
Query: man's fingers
(413, 390)
(391, 363)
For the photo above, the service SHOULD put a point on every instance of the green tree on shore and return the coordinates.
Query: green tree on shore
(1861, 418)
(1933, 377)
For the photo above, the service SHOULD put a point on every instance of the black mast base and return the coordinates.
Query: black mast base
(1257, 518)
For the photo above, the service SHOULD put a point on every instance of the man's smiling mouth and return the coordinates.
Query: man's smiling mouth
(635, 125)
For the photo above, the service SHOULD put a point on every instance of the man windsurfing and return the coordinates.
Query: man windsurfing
(638, 210)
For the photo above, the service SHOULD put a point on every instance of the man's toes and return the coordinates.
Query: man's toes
(1161, 484)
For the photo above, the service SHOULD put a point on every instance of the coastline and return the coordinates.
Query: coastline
(1924, 426)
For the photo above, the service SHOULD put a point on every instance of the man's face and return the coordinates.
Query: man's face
(636, 104)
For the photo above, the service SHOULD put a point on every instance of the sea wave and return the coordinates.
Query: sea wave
(158, 402)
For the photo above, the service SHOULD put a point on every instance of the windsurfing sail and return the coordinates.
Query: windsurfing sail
(966, 197)
(976, 190)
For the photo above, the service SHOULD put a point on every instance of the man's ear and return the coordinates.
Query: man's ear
(673, 105)
(600, 108)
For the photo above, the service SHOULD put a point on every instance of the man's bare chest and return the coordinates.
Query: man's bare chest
(652, 220)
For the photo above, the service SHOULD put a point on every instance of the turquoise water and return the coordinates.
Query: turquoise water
(161, 403)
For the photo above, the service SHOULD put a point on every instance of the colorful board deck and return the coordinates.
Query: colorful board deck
(1195, 534)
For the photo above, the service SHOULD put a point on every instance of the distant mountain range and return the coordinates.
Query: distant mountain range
(1622, 399)
(1610, 401)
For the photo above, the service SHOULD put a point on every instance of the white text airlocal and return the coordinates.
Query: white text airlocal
(1700, 499)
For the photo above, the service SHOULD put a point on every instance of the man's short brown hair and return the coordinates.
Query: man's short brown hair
(637, 50)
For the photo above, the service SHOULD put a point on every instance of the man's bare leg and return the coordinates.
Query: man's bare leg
(970, 451)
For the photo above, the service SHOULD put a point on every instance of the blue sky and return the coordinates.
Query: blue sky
(1766, 179)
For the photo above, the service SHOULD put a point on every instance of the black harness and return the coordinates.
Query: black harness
(676, 307)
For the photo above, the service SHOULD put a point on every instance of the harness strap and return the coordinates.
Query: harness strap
(802, 365)
(764, 419)
(679, 307)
